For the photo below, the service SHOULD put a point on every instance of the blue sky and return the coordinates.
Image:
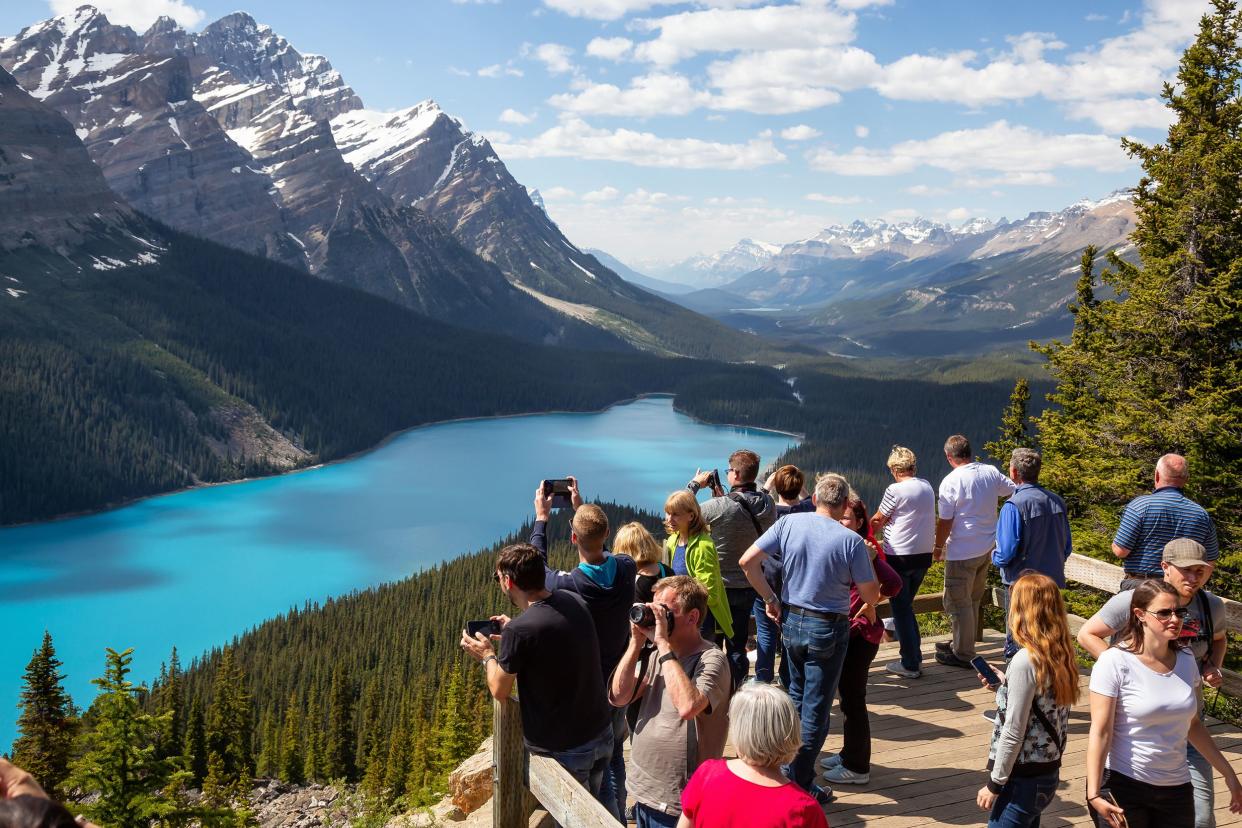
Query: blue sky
(656, 130)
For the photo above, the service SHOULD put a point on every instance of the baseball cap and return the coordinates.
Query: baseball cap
(1185, 552)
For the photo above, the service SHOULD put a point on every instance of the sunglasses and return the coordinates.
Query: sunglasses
(1165, 614)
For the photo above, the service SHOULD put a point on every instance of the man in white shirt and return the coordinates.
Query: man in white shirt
(965, 534)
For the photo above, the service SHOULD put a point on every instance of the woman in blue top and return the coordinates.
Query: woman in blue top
(690, 549)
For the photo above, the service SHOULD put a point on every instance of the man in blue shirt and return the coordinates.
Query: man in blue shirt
(1032, 530)
(820, 559)
(1152, 520)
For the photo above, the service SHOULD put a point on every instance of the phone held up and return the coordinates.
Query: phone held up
(985, 670)
(487, 627)
(559, 489)
(713, 482)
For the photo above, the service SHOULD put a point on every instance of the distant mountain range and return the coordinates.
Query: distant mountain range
(232, 135)
(910, 288)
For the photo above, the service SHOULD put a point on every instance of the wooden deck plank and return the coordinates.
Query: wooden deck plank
(929, 751)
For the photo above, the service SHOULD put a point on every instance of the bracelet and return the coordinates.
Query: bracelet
(1097, 796)
(669, 656)
(775, 599)
(489, 658)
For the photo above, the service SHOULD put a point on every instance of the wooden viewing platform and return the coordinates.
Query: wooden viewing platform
(929, 744)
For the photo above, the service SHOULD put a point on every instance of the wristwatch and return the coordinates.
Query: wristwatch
(669, 656)
(773, 600)
(489, 658)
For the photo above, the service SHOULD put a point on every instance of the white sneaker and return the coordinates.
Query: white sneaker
(843, 774)
(829, 762)
(896, 668)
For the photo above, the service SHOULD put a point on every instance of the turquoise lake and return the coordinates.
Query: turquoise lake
(196, 568)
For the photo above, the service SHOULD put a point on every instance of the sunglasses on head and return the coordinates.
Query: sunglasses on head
(1166, 614)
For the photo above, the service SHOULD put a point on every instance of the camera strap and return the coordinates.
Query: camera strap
(737, 498)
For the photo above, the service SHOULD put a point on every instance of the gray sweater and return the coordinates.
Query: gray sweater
(733, 531)
(1019, 738)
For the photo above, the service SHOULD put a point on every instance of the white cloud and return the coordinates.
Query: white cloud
(861, 131)
(1009, 179)
(554, 56)
(654, 94)
(609, 48)
(924, 190)
(137, 14)
(602, 194)
(615, 9)
(801, 132)
(781, 81)
(557, 194)
(958, 214)
(727, 30)
(575, 138)
(854, 5)
(1095, 17)
(998, 147)
(497, 69)
(512, 116)
(643, 197)
(833, 199)
(1124, 114)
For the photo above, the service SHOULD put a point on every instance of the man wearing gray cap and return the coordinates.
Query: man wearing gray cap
(1186, 568)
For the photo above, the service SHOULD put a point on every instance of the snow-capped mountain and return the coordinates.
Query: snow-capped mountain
(232, 134)
(721, 267)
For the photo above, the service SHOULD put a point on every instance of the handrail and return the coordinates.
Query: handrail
(550, 785)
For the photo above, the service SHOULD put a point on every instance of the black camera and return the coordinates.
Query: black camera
(713, 482)
(642, 616)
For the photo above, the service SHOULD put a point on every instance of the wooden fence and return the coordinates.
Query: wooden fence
(524, 784)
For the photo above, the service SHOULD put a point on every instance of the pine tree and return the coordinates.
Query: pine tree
(339, 759)
(1013, 431)
(169, 694)
(292, 766)
(230, 733)
(1158, 368)
(453, 727)
(196, 745)
(119, 760)
(46, 724)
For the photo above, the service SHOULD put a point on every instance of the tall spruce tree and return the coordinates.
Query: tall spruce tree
(339, 752)
(1158, 366)
(46, 723)
(230, 735)
(1013, 428)
(292, 765)
(196, 744)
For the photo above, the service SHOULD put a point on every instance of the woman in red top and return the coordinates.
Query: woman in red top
(852, 765)
(751, 791)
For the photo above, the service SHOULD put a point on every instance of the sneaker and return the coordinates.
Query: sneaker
(843, 774)
(822, 794)
(990, 715)
(829, 762)
(950, 659)
(897, 669)
(944, 647)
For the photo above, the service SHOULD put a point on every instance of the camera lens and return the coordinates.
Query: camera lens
(641, 615)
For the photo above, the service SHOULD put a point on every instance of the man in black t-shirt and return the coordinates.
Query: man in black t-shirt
(552, 651)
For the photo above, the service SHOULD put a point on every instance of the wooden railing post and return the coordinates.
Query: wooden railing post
(509, 795)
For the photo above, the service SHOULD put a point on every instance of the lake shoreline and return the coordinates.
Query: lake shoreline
(121, 504)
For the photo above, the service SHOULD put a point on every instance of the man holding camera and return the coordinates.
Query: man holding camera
(684, 686)
(606, 583)
(736, 520)
(565, 714)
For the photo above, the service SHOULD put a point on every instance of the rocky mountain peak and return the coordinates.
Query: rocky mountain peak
(47, 56)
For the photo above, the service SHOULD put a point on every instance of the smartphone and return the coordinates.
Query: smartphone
(559, 489)
(1107, 796)
(984, 669)
(488, 627)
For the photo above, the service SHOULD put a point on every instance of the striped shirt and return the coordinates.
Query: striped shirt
(1152, 520)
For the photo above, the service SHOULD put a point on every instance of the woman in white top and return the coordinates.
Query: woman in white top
(907, 516)
(1144, 705)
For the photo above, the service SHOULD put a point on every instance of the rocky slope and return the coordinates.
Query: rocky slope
(224, 134)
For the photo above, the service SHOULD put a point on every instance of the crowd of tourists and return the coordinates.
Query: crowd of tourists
(667, 667)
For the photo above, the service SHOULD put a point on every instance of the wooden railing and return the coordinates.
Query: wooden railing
(523, 783)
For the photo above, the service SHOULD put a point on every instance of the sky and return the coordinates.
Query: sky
(660, 130)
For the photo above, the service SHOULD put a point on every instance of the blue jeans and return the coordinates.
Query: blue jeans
(741, 604)
(1022, 800)
(1201, 780)
(767, 641)
(904, 622)
(645, 817)
(587, 762)
(612, 792)
(815, 650)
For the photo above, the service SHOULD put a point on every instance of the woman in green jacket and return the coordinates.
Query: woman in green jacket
(690, 551)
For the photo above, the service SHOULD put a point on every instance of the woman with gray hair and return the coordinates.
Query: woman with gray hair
(751, 790)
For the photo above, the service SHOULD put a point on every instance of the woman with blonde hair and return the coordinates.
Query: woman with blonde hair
(634, 540)
(1033, 703)
(690, 550)
(1144, 707)
(751, 791)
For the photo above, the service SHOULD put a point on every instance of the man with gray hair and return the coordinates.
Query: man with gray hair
(1032, 530)
(965, 534)
(1152, 520)
(820, 559)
